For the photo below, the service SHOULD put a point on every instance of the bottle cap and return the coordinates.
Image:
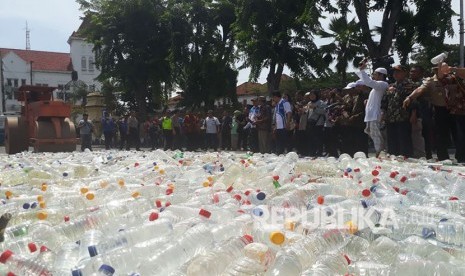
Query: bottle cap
(92, 251)
(347, 259)
(248, 238)
(43, 248)
(66, 218)
(364, 203)
(261, 196)
(205, 213)
(26, 205)
(375, 172)
(229, 189)
(40, 198)
(10, 274)
(33, 205)
(366, 193)
(108, 270)
(42, 204)
(32, 247)
(428, 233)
(5, 256)
(257, 212)
(90, 196)
(158, 203)
(84, 190)
(42, 215)
(320, 200)
(277, 237)
(76, 272)
(153, 216)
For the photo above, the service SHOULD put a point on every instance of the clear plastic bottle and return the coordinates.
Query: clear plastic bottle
(270, 235)
(23, 266)
(132, 236)
(286, 263)
(210, 264)
(195, 241)
(90, 239)
(66, 259)
(439, 58)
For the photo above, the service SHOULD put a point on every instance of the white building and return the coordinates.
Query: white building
(83, 58)
(51, 69)
(40, 68)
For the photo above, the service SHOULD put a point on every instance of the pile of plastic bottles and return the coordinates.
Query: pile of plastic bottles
(185, 213)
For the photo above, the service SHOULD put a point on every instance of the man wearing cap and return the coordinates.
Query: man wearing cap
(263, 124)
(373, 107)
(446, 92)
(398, 120)
(85, 130)
(351, 121)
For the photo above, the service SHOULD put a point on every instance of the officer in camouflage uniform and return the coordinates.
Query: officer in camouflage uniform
(398, 119)
(441, 91)
(351, 120)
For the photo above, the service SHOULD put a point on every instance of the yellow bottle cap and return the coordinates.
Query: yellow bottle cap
(135, 194)
(162, 171)
(42, 215)
(40, 198)
(84, 190)
(44, 187)
(290, 225)
(8, 193)
(104, 184)
(210, 178)
(277, 237)
(121, 182)
(352, 227)
(90, 196)
(206, 183)
(156, 168)
(42, 204)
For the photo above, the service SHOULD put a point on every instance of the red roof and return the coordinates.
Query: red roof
(249, 88)
(43, 61)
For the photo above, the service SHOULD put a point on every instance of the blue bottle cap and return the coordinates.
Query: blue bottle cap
(364, 203)
(443, 220)
(76, 272)
(33, 205)
(26, 205)
(257, 212)
(428, 233)
(92, 251)
(106, 269)
(373, 188)
(261, 196)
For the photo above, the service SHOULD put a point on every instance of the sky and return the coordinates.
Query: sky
(51, 22)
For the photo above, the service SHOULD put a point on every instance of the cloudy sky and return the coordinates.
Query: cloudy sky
(52, 21)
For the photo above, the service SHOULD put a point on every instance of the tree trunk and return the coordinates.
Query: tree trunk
(273, 80)
(141, 100)
(390, 17)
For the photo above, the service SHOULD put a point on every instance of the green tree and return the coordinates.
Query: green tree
(132, 44)
(202, 50)
(432, 22)
(279, 33)
(345, 45)
(406, 35)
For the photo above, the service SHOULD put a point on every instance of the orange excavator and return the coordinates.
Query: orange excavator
(44, 123)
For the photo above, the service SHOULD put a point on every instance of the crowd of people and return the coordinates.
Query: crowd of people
(409, 115)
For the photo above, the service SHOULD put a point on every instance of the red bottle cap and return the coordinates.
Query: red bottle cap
(5, 256)
(167, 204)
(153, 216)
(158, 203)
(276, 177)
(32, 247)
(320, 200)
(366, 193)
(205, 213)
(403, 179)
(375, 172)
(347, 259)
(453, 198)
(229, 189)
(248, 238)
(66, 218)
(43, 248)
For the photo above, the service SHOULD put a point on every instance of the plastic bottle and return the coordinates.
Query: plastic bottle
(209, 264)
(90, 239)
(132, 236)
(270, 235)
(439, 58)
(67, 257)
(257, 258)
(192, 243)
(22, 266)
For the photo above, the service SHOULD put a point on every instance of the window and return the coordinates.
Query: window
(23, 81)
(16, 82)
(83, 64)
(9, 82)
(91, 64)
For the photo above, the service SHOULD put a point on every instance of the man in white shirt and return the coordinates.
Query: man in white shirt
(212, 127)
(283, 116)
(373, 106)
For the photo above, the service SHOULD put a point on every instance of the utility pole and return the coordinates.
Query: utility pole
(31, 71)
(461, 35)
(28, 38)
(2, 87)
